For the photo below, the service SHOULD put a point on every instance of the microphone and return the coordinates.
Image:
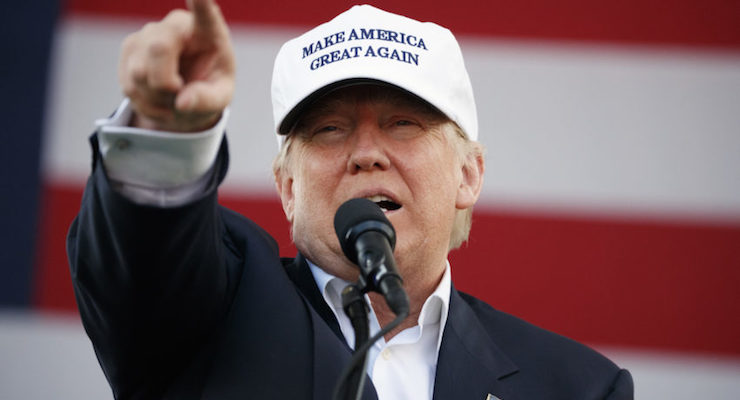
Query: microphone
(368, 239)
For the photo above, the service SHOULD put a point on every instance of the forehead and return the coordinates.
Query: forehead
(387, 96)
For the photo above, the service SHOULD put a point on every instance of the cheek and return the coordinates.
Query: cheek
(437, 177)
(306, 218)
(316, 180)
(313, 187)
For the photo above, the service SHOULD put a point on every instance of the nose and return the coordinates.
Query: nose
(367, 148)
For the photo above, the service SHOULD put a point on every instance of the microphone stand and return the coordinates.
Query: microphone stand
(356, 308)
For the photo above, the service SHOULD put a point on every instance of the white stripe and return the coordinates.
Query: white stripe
(568, 126)
(643, 129)
(667, 375)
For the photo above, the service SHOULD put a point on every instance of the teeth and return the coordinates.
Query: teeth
(378, 198)
(385, 203)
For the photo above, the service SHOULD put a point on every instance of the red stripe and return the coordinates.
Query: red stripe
(651, 284)
(712, 23)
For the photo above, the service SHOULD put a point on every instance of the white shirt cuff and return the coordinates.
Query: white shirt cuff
(156, 167)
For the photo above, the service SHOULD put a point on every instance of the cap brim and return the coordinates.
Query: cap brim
(291, 119)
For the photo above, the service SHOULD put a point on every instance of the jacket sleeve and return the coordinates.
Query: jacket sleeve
(622, 388)
(150, 283)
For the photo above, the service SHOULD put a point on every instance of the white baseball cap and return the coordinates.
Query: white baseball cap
(368, 45)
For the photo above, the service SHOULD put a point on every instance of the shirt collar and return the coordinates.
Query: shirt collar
(434, 310)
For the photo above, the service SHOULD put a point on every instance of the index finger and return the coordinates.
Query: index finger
(207, 16)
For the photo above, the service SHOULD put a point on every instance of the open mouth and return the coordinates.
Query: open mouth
(385, 203)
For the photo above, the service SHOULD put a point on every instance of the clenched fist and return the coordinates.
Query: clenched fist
(179, 72)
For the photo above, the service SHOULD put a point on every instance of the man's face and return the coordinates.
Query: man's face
(377, 143)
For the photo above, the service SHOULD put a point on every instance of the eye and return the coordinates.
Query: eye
(327, 128)
(326, 134)
(404, 120)
(402, 128)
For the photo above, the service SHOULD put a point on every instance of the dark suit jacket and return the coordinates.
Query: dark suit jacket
(193, 302)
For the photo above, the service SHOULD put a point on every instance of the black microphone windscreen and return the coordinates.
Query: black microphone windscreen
(357, 212)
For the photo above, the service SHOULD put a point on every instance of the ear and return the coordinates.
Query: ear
(284, 186)
(472, 180)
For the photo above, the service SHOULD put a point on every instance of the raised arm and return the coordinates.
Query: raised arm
(152, 282)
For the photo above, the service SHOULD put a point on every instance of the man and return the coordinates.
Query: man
(185, 299)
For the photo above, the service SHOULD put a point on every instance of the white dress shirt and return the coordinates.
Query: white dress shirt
(403, 368)
(169, 169)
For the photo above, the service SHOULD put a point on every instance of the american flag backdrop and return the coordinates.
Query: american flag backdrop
(611, 205)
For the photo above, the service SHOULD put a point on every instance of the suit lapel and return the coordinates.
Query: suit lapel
(331, 355)
(470, 364)
(330, 350)
(301, 276)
